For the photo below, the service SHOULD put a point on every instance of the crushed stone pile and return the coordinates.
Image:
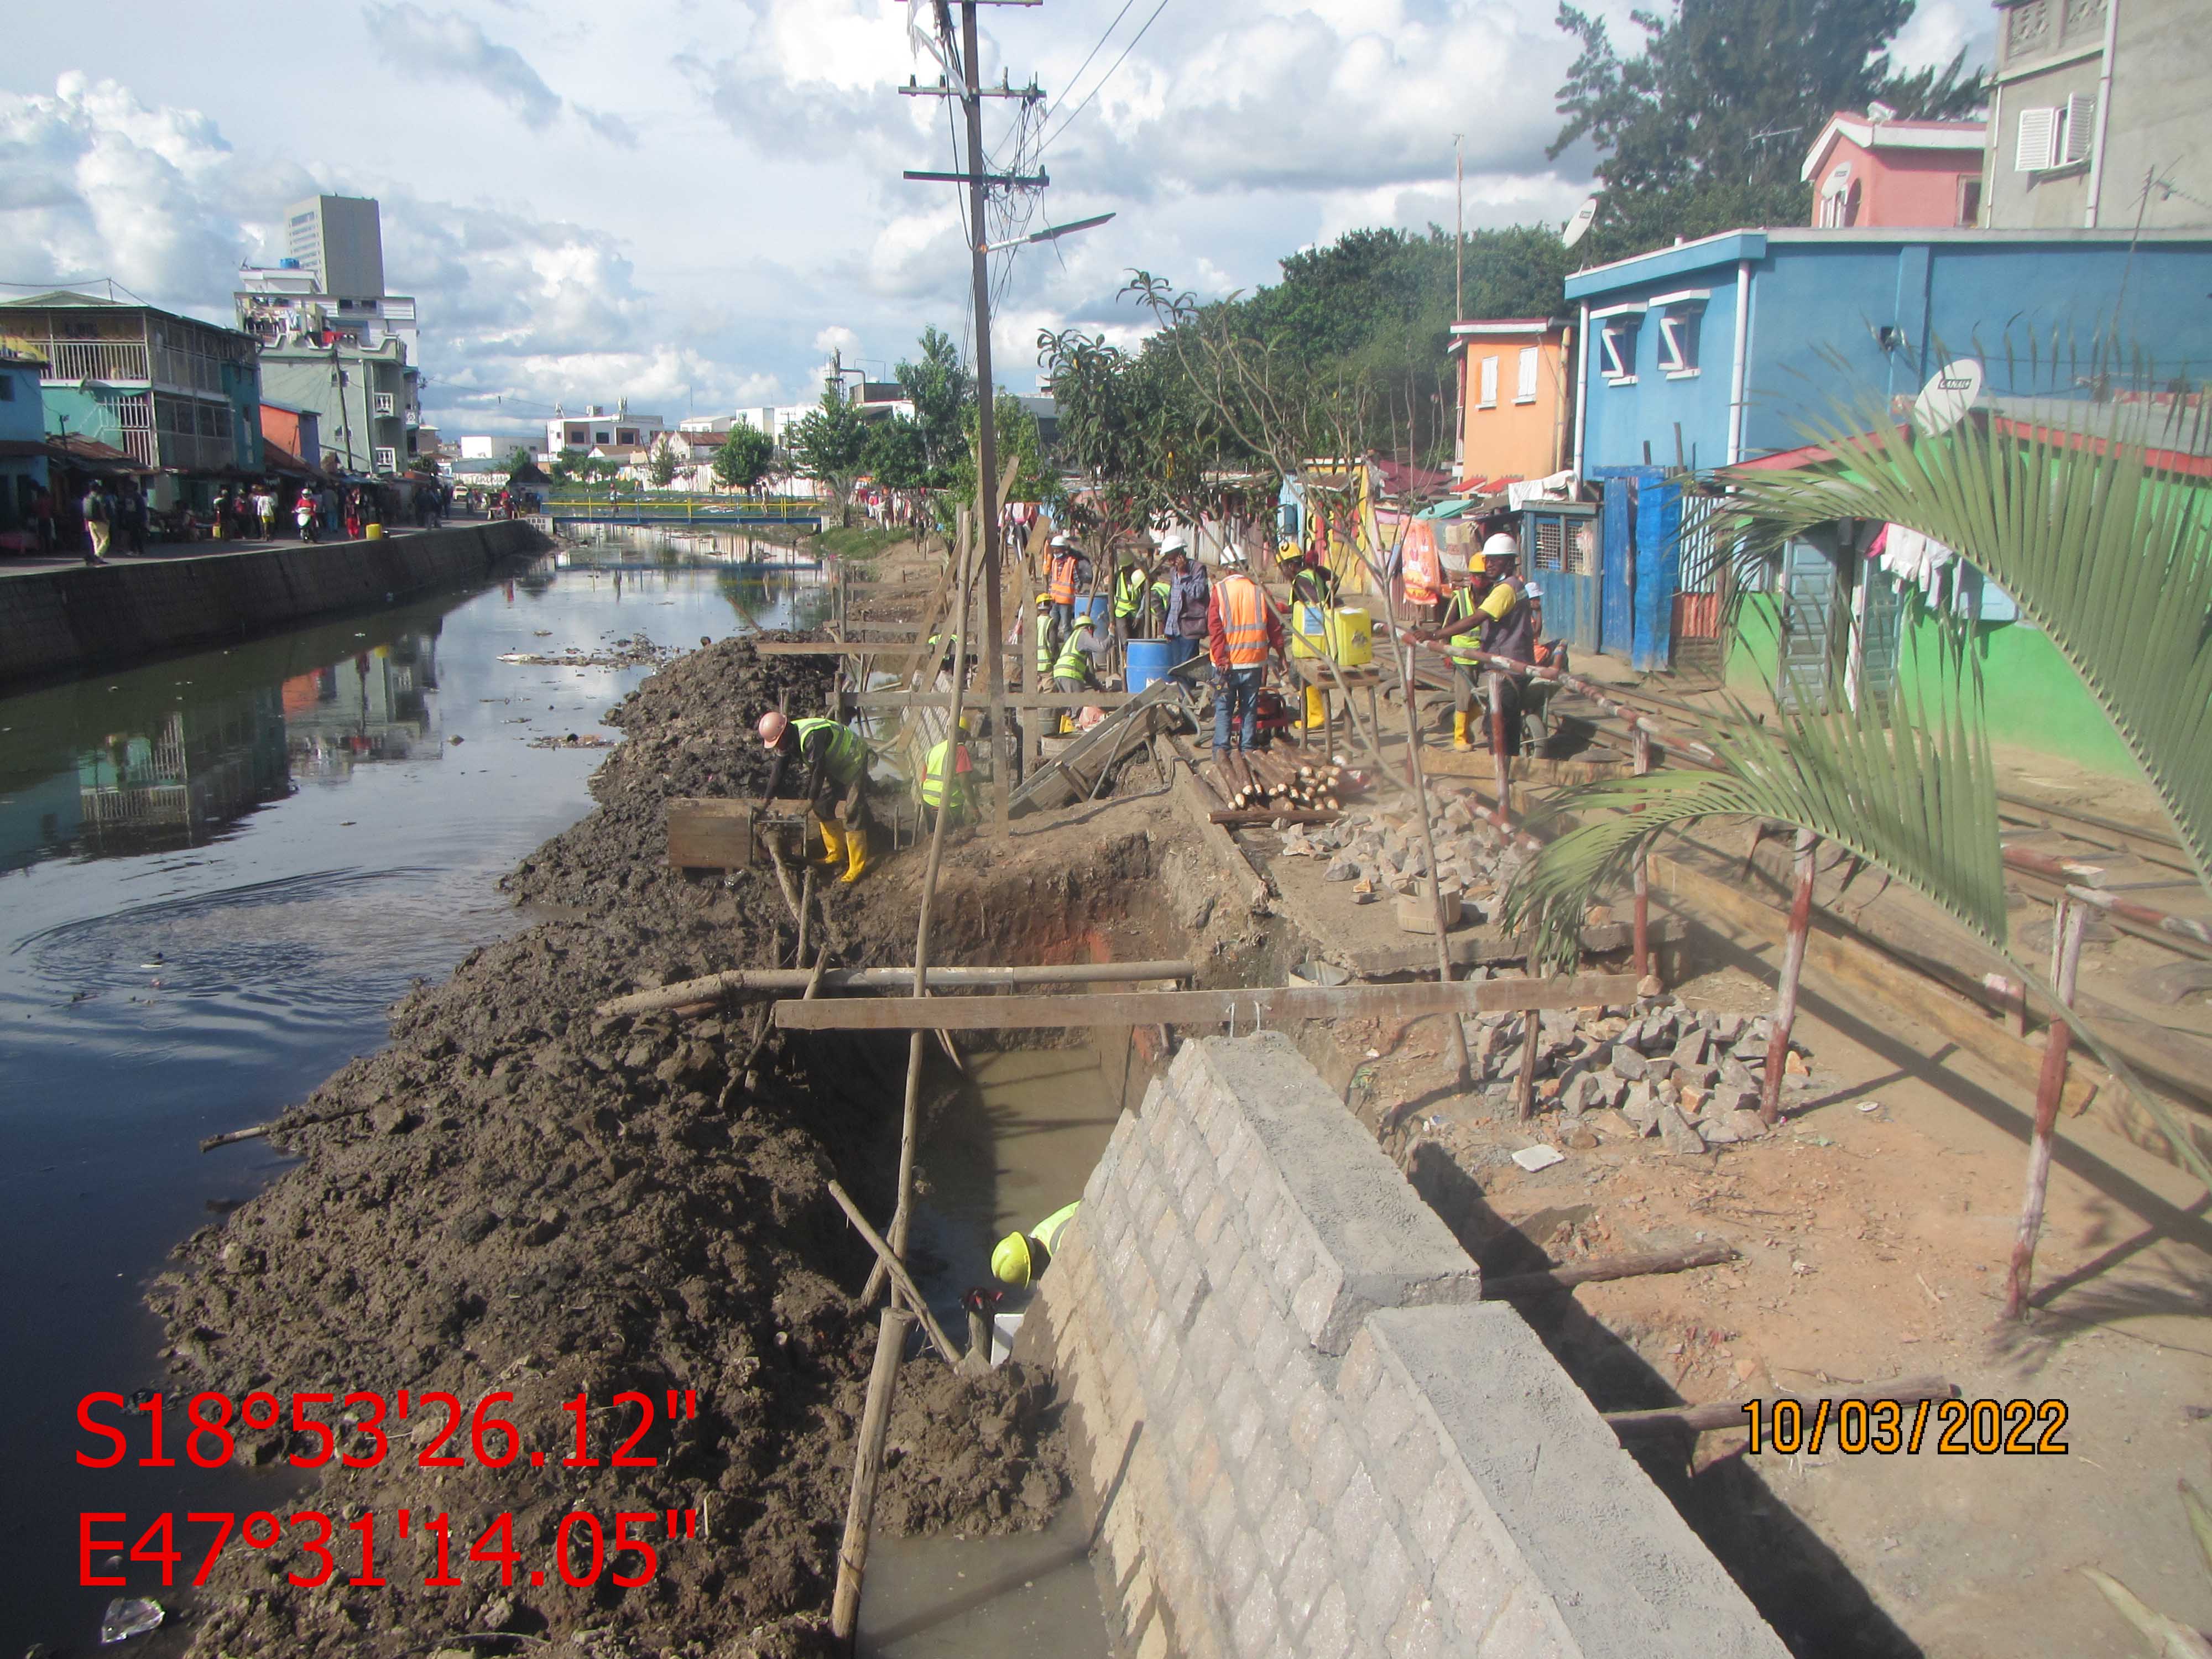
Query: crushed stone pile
(516, 1195)
(1690, 1077)
(1380, 849)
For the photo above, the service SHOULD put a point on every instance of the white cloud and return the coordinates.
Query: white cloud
(449, 47)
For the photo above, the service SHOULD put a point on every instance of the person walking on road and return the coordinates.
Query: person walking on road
(99, 518)
(837, 786)
(1242, 634)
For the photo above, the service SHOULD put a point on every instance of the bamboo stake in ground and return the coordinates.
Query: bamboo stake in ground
(1459, 1060)
(2066, 929)
(867, 1467)
(1532, 1040)
(899, 1277)
(1642, 956)
(1793, 964)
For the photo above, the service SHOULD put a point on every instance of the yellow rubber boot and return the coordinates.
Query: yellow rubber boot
(833, 842)
(1317, 709)
(856, 847)
(1459, 734)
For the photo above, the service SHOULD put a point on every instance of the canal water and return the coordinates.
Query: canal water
(215, 874)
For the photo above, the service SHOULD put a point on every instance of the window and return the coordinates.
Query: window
(7, 388)
(1680, 319)
(2036, 145)
(387, 461)
(1524, 385)
(384, 402)
(2080, 124)
(1833, 192)
(1550, 544)
(2051, 136)
(1970, 201)
(1616, 346)
(603, 437)
(1489, 398)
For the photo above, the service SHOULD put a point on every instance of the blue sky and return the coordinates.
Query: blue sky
(691, 204)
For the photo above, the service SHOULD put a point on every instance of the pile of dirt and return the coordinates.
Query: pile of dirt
(517, 1196)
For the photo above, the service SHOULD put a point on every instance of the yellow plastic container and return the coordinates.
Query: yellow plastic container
(1345, 635)
(375, 532)
(1351, 637)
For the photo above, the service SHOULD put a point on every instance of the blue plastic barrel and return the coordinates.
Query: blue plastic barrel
(1150, 660)
(1097, 606)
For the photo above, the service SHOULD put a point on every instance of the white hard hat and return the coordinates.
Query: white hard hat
(1533, 591)
(1231, 556)
(1060, 539)
(1501, 546)
(1174, 541)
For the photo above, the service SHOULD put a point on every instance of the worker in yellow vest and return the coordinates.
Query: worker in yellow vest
(1315, 584)
(1072, 670)
(836, 763)
(1020, 1257)
(942, 790)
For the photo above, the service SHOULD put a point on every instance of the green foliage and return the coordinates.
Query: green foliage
(660, 462)
(1128, 420)
(942, 391)
(829, 446)
(517, 458)
(897, 455)
(1014, 432)
(559, 470)
(747, 457)
(2164, 1636)
(1726, 95)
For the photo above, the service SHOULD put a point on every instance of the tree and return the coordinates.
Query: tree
(829, 446)
(1729, 94)
(896, 454)
(747, 457)
(517, 458)
(660, 462)
(559, 470)
(942, 390)
(1015, 433)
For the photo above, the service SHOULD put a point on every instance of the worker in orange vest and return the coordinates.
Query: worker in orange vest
(1066, 576)
(1240, 634)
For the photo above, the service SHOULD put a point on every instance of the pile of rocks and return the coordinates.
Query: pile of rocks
(1690, 1077)
(1381, 848)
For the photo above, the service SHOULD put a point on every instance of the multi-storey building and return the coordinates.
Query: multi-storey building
(170, 391)
(600, 427)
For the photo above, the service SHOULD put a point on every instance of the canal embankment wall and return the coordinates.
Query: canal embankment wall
(1304, 1433)
(55, 623)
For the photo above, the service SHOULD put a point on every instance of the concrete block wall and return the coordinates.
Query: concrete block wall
(1306, 1433)
(54, 622)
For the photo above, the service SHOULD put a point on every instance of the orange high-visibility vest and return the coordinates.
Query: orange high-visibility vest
(1244, 624)
(1062, 585)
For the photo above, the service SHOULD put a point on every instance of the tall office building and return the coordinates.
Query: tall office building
(340, 240)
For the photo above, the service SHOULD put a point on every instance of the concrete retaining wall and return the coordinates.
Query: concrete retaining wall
(1309, 1435)
(60, 622)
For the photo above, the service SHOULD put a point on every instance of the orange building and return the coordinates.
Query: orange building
(1515, 398)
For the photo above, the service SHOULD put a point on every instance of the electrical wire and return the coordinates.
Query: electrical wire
(1104, 79)
(1076, 79)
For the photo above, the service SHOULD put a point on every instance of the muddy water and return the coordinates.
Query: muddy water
(1012, 1149)
(216, 873)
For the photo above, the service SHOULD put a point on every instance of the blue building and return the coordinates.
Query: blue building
(1736, 346)
(23, 445)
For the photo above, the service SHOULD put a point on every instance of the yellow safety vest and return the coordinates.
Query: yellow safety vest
(1129, 593)
(1073, 663)
(1047, 1232)
(849, 756)
(932, 776)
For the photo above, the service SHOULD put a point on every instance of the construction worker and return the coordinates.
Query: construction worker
(1311, 583)
(1020, 1257)
(836, 763)
(1183, 614)
(1241, 633)
(1132, 591)
(1502, 623)
(939, 795)
(1066, 574)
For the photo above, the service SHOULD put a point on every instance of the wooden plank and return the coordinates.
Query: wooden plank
(893, 979)
(892, 652)
(1271, 1004)
(879, 702)
(705, 834)
(1730, 1414)
(1472, 946)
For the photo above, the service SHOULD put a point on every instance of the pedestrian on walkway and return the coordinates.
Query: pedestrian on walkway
(264, 510)
(128, 534)
(98, 517)
(1241, 633)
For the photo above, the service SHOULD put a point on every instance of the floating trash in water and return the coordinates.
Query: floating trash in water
(127, 1617)
(157, 960)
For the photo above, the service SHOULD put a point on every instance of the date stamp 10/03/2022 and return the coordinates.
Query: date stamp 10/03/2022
(361, 1430)
(2017, 1428)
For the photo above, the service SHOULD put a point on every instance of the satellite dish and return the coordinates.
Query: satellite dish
(1578, 227)
(1950, 392)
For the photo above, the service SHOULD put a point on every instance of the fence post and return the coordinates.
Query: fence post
(2066, 926)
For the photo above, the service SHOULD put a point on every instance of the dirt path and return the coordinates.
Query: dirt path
(515, 1196)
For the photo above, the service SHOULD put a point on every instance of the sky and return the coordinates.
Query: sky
(692, 205)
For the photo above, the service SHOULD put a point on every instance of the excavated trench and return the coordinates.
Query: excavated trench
(516, 1195)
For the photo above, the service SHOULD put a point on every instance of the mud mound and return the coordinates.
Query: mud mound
(516, 1196)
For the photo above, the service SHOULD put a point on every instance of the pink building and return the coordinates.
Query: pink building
(1875, 170)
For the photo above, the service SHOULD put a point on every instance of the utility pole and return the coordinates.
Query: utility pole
(1459, 228)
(972, 93)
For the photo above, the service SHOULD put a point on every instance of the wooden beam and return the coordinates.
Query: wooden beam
(1601, 1267)
(892, 979)
(817, 648)
(869, 702)
(1255, 1006)
(710, 834)
(1906, 1391)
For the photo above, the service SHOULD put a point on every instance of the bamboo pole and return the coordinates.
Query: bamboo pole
(1642, 952)
(714, 985)
(1532, 1039)
(2066, 930)
(915, 1302)
(1793, 963)
(1730, 1414)
(1599, 1268)
(867, 1468)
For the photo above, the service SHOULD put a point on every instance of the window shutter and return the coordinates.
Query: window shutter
(1525, 391)
(2080, 126)
(2038, 140)
(1489, 382)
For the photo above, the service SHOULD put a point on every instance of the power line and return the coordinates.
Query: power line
(1104, 79)
(1076, 79)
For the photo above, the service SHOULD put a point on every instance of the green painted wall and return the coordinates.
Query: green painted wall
(2033, 699)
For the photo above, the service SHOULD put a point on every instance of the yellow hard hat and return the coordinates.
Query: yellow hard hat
(1010, 1262)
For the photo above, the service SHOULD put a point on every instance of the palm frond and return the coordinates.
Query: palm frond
(1910, 789)
(2068, 506)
